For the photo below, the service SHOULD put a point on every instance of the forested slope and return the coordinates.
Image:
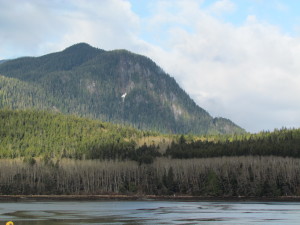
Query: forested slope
(17, 94)
(53, 135)
(89, 82)
(29, 133)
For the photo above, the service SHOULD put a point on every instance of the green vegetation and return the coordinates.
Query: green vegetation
(53, 153)
(16, 94)
(41, 134)
(284, 142)
(89, 82)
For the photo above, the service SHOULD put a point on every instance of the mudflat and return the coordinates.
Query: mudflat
(146, 197)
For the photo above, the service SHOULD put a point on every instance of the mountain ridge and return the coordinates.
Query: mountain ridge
(89, 82)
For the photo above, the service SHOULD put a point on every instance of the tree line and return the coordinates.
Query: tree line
(226, 176)
(283, 142)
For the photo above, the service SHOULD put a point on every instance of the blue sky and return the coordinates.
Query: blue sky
(237, 59)
(283, 14)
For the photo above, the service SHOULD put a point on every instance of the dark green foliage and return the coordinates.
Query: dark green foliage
(212, 184)
(89, 82)
(30, 160)
(169, 182)
(41, 134)
(284, 142)
(146, 154)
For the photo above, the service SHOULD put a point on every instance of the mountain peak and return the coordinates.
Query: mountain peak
(81, 48)
(78, 46)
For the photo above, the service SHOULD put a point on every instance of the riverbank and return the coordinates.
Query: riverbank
(4, 198)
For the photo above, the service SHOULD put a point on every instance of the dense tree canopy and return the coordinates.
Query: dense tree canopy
(42, 134)
(284, 142)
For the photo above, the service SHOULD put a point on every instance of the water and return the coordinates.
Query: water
(148, 212)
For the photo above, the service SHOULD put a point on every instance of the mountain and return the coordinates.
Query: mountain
(90, 82)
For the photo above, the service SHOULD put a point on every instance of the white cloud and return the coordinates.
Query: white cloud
(25, 26)
(109, 23)
(281, 7)
(222, 6)
(249, 73)
(38, 27)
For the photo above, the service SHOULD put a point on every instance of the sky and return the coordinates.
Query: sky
(238, 59)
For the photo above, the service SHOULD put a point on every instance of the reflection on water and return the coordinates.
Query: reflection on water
(148, 212)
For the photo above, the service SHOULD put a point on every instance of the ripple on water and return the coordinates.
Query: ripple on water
(149, 212)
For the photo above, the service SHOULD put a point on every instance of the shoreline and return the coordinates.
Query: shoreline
(4, 198)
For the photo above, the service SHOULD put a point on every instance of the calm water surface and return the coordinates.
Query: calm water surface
(149, 212)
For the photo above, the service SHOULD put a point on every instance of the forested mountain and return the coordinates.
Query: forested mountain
(89, 82)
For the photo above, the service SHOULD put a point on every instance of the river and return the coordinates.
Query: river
(149, 212)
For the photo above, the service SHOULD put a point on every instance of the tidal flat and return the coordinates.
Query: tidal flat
(149, 212)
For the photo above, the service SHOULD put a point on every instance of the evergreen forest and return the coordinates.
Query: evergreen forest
(52, 153)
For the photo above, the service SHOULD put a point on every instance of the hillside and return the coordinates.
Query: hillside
(29, 133)
(89, 82)
(54, 135)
